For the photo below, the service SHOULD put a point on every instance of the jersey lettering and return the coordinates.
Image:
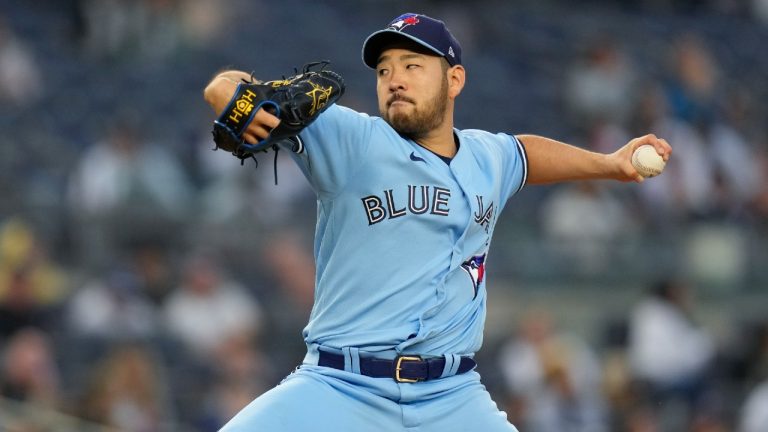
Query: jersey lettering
(373, 209)
(393, 213)
(483, 215)
(412, 199)
(418, 202)
(440, 201)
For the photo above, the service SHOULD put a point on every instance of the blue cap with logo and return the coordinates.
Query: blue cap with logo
(421, 29)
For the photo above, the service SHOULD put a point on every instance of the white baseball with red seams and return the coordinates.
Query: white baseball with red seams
(647, 162)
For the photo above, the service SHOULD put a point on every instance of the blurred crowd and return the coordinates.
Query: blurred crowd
(148, 283)
(657, 369)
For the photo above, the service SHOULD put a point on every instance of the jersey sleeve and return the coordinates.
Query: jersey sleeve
(515, 166)
(332, 148)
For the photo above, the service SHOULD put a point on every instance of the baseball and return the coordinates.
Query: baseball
(647, 162)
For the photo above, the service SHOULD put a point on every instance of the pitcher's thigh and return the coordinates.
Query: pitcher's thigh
(469, 409)
(318, 404)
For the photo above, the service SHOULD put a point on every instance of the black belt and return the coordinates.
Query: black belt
(404, 369)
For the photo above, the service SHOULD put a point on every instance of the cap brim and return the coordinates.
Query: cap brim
(376, 42)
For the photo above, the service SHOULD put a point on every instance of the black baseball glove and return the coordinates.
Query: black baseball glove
(297, 101)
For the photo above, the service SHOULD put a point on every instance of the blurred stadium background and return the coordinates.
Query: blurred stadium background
(150, 284)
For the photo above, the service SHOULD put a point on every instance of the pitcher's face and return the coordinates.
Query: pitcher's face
(412, 90)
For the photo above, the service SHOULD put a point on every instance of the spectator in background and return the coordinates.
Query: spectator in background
(288, 289)
(599, 85)
(692, 88)
(127, 392)
(242, 372)
(118, 29)
(760, 360)
(760, 10)
(153, 267)
(112, 308)
(125, 189)
(585, 221)
(29, 373)
(737, 173)
(750, 353)
(208, 308)
(223, 184)
(292, 269)
(32, 288)
(204, 22)
(125, 170)
(21, 82)
(754, 412)
(554, 379)
(669, 352)
(759, 206)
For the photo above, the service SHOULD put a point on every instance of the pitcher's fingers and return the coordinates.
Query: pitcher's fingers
(666, 149)
(265, 119)
(649, 139)
(652, 139)
(631, 174)
(249, 138)
(259, 131)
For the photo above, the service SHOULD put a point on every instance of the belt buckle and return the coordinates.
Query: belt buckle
(398, 363)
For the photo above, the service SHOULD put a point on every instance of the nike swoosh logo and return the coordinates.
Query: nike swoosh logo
(416, 158)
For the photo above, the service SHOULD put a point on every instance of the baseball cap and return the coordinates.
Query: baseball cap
(425, 31)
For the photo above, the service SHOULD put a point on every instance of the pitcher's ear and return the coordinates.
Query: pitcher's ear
(456, 79)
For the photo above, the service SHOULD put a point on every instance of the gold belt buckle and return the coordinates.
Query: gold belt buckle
(398, 367)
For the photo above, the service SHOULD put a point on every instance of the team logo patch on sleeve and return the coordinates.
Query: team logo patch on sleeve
(475, 268)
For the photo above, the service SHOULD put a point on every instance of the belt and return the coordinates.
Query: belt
(403, 369)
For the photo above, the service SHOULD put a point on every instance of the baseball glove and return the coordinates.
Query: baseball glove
(297, 101)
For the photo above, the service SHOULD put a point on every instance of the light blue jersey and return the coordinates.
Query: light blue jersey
(400, 250)
(402, 236)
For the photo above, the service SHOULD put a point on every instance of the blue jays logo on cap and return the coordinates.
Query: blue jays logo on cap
(420, 29)
(403, 21)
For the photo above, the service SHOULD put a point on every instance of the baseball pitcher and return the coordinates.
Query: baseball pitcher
(406, 207)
